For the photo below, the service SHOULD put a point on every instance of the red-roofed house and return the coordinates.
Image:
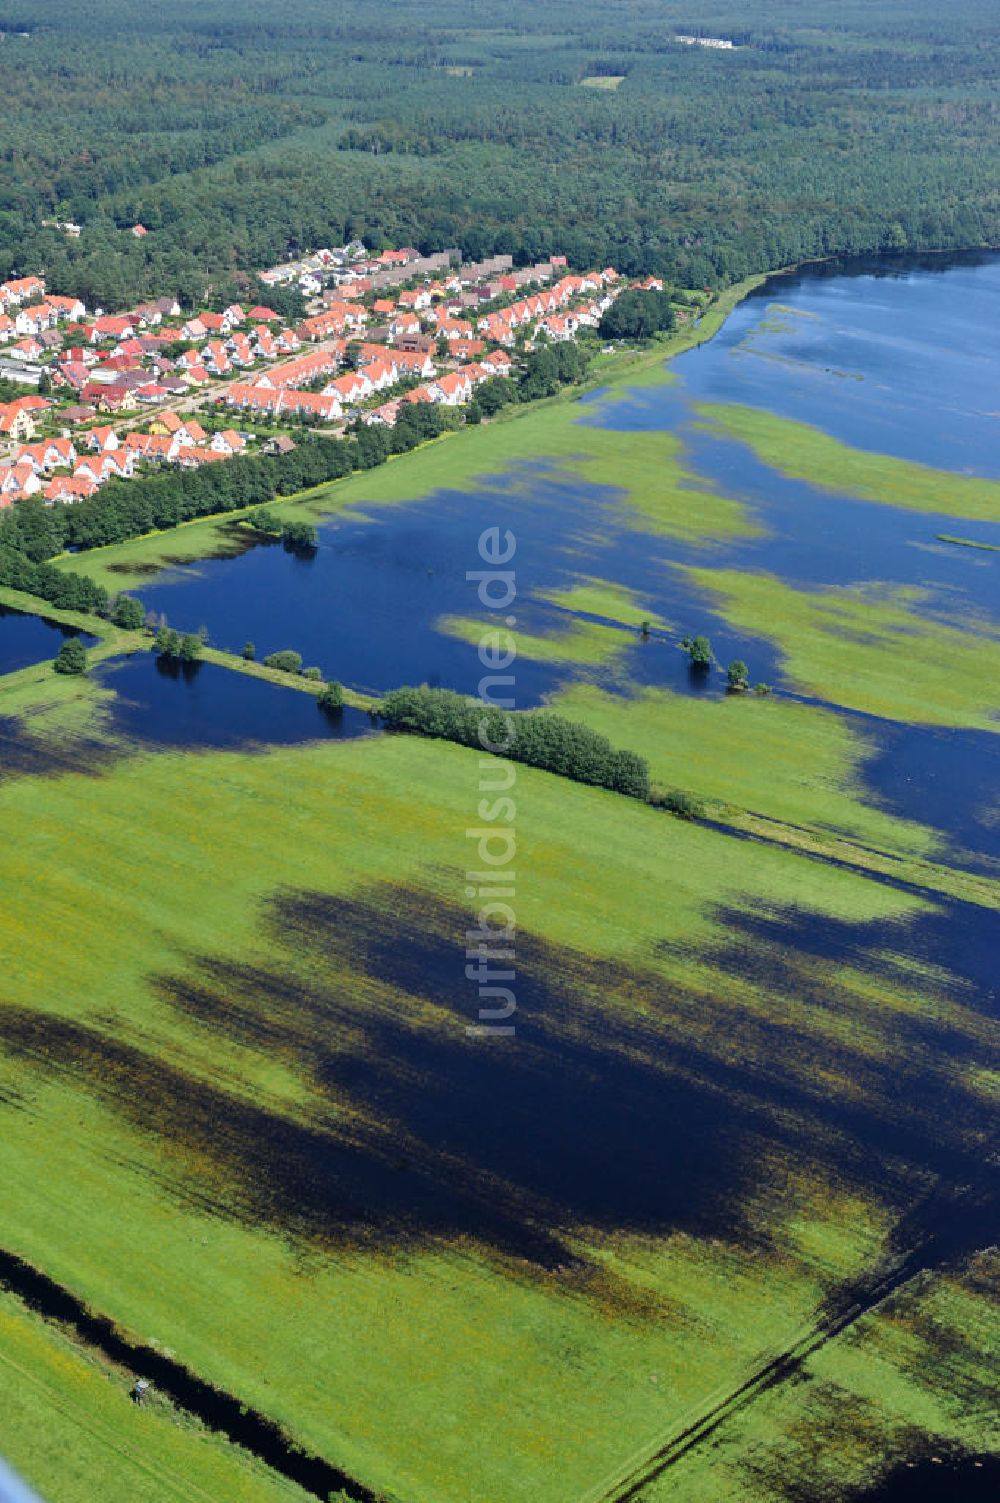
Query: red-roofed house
(48, 454)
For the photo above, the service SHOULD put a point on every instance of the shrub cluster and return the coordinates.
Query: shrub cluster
(536, 737)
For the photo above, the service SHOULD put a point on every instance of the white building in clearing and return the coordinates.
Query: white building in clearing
(722, 42)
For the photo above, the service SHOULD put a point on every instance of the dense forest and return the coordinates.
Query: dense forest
(239, 134)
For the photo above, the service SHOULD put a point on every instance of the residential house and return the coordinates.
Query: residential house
(228, 442)
(215, 359)
(16, 422)
(21, 289)
(452, 390)
(19, 480)
(99, 439)
(66, 307)
(498, 363)
(48, 454)
(191, 458)
(350, 389)
(69, 488)
(111, 326)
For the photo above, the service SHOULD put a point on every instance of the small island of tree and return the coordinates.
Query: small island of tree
(738, 676)
(699, 649)
(286, 661)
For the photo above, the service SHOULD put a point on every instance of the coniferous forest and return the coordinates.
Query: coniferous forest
(237, 135)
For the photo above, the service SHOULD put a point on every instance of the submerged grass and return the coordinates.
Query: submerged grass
(584, 643)
(604, 599)
(912, 1380)
(868, 647)
(807, 453)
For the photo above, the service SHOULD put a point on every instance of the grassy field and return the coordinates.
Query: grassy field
(249, 947)
(807, 453)
(869, 647)
(921, 1367)
(70, 1429)
(789, 761)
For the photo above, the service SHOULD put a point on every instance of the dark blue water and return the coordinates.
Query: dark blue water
(366, 606)
(948, 1480)
(200, 705)
(897, 356)
(28, 639)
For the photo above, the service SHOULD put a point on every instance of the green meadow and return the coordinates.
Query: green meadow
(869, 647)
(807, 453)
(923, 1362)
(792, 762)
(70, 1428)
(248, 946)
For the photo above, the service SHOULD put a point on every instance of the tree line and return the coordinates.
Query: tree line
(538, 738)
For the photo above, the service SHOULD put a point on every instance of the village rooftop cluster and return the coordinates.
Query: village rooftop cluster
(379, 332)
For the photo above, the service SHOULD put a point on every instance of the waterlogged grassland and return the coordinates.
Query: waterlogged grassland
(868, 647)
(649, 489)
(582, 643)
(71, 1431)
(789, 761)
(256, 1044)
(917, 1377)
(608, 601)
(807, 453)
